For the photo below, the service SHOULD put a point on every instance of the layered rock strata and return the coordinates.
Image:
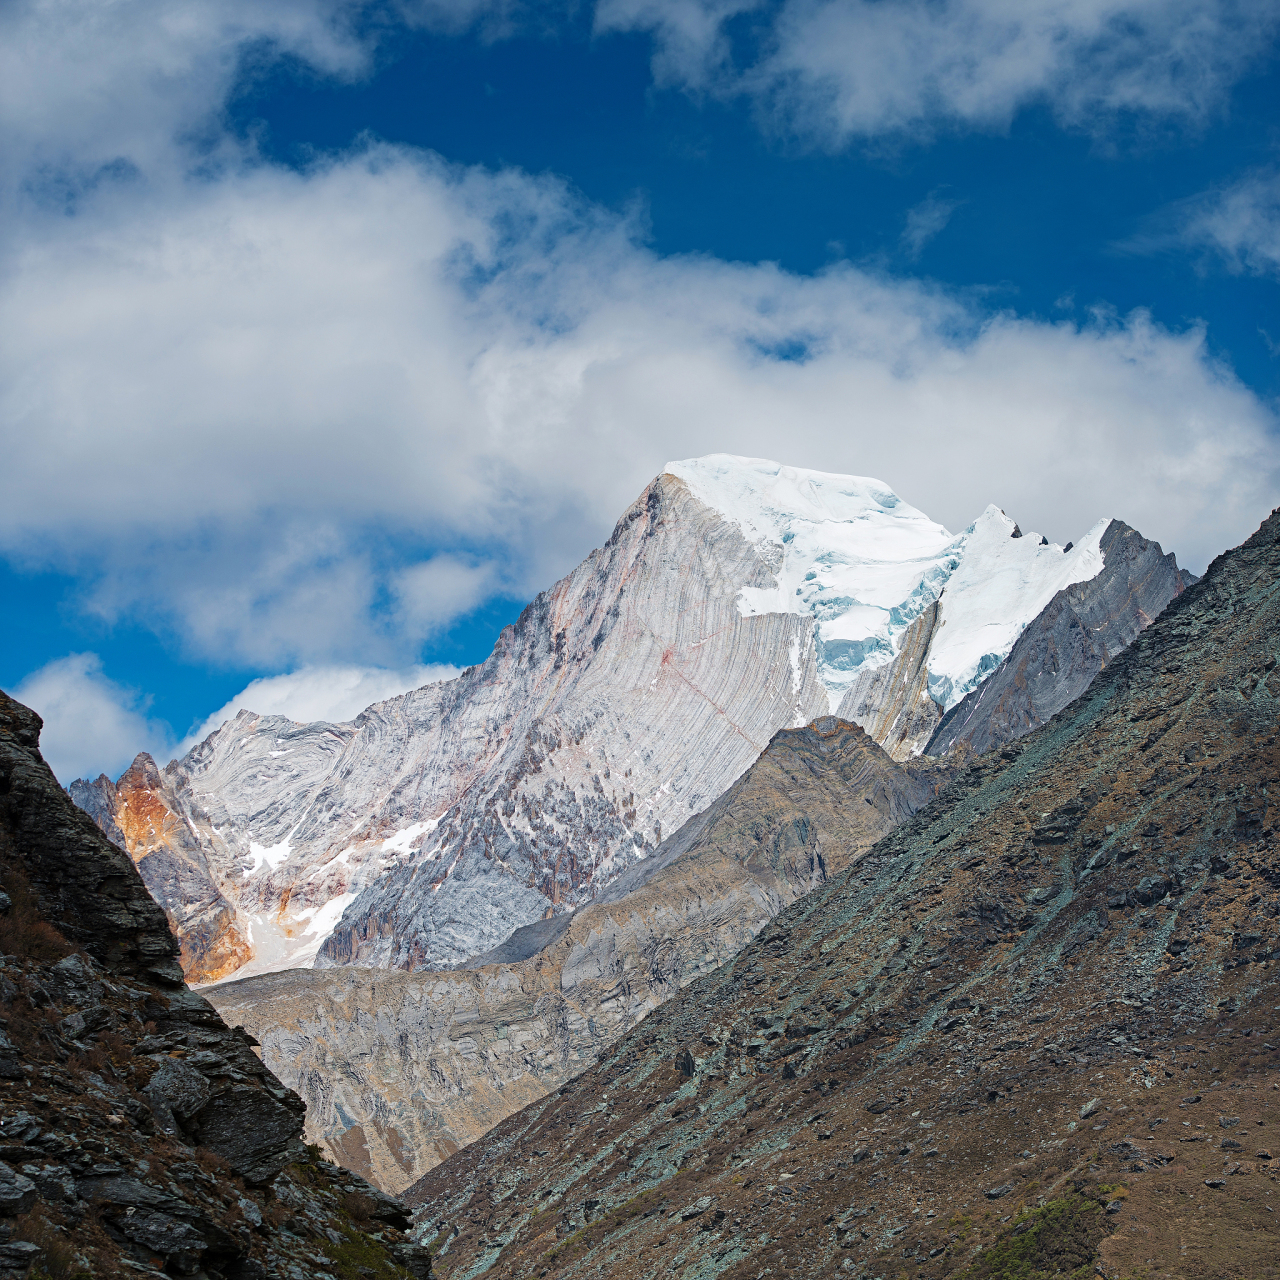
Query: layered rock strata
(139, 1134)
(399, 1070)
(735, 597)
(1033, 1031)
(624, 699)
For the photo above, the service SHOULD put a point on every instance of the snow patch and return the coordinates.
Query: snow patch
(1000, 585)
(847, 552)
(325, 919)
(271, 855)
(400, 842)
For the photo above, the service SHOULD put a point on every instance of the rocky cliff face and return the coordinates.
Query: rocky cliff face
(625, 698)
(1032, 1032)
(135, 814)
(399, 1070)
(735, 598)
(139, 1134)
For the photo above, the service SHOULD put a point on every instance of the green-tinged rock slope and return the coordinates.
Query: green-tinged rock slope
(1032, 1032)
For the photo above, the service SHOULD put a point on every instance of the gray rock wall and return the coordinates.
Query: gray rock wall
(399, 1070)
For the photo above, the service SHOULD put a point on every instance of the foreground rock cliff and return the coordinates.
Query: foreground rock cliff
(139, 1134)
(1032, 1032)
(736, 597)
(399, 1070)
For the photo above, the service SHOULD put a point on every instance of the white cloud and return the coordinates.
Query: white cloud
(269, 381)
(1239, 223)
(307, 418)
(335, 694)
(92, 724)
(127, 83)
(926, 220)
(433, 592)
(841, 69)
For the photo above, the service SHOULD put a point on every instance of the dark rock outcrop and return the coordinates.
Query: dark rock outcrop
(1056, 658)
(995, 1045)
(139, 1134)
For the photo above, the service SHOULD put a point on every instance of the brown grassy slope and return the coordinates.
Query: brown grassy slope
(1012, 1041)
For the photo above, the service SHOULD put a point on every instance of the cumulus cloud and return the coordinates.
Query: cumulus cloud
(836, 70)
(335, 694)
(93, 92)
(257, 402)
(307, 417)
(92, 724)
(99, 94)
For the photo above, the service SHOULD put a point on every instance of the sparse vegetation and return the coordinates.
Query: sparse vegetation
(1058, 1239)
(23, 931)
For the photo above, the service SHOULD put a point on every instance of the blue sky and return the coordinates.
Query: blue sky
(332, 332)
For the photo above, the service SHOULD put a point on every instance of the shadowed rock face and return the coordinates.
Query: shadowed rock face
(137, 1130)
(1008, 1040)
(1056, 658)
(400, 1070)
(892, 702)
(87, 887)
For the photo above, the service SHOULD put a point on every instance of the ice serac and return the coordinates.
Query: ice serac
(1079, 631)
(400, 1070)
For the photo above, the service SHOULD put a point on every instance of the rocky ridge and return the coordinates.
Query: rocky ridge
(139, 1134)
(1054, 660)
(734, 598)
(399, 1070)
(399, 1074)
(1033, 1030)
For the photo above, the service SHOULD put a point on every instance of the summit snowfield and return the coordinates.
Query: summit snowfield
(736, 597)
(848, 552)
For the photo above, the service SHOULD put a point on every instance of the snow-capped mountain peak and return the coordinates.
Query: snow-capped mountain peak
(864, 564)
(736, 597)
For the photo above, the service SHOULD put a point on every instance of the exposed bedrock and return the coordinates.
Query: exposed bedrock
(892, 702)
(401, 1069)
(625, 698)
